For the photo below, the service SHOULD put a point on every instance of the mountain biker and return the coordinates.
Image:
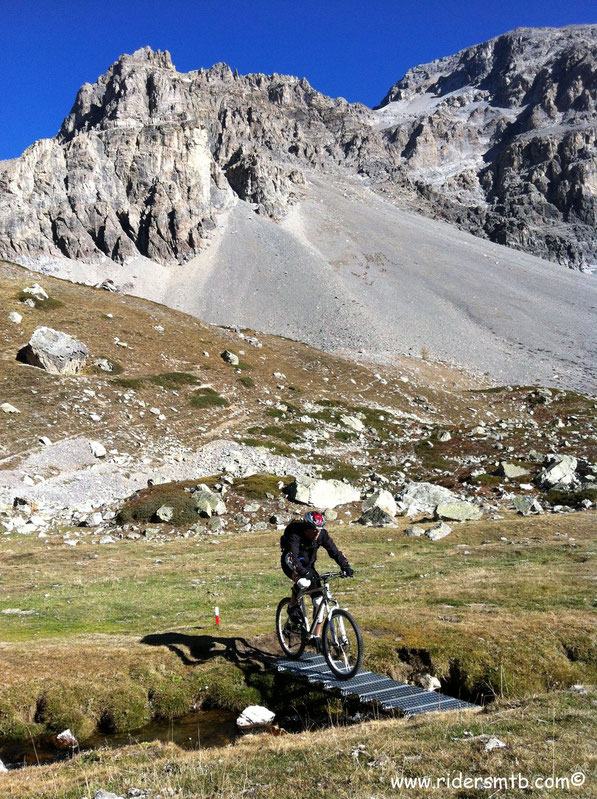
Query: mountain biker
(299, 544)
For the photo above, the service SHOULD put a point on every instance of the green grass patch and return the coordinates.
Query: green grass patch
(344, 436)
(258, 485)
(208, 398)
(51, 304)
(174, 380)
(246, 381)
(136, 383)
(341, 470)
(571, 498)
(142, 506)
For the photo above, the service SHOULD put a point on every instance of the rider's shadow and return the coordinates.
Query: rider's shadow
(202, 648)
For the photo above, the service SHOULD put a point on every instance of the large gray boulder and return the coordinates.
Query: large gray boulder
(458, 511)
(208, 503)
(54, 351)
(560, 470)
(417, 498)
(322, 493)
(376, 517)
(512, 470)
(438, 531)
(381, 499)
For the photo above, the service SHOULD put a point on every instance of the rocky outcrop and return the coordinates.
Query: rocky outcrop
(501, 139)
(498, 139)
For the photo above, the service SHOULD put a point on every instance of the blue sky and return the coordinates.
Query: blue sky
(351, 49)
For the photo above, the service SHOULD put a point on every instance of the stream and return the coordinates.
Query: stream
(200, 730)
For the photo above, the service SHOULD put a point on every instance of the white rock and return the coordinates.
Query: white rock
(66, 739)
(15, 317)
(230, 357)
(106, 539)
(322, 493)
(255, 716)
(416, 498)
(381, 499)
(45, 441)
(429, 682)
(8, 408)
(494, 743)
(36, 291)
(106, 795)
(54, 351)
(97, 450)
(438, 531)
(352, 422)
(2, 767)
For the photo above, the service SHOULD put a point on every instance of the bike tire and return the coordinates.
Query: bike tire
(356, 658)
(292, 652)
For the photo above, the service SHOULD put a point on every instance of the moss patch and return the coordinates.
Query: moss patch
(142, 506)
(174, 380)
(208, 398)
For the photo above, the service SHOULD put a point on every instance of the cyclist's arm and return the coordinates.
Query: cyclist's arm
(332, 550)
(294, 549)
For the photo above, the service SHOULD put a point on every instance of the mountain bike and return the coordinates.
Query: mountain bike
(341, 637)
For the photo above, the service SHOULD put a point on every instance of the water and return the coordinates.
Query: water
(200, 730)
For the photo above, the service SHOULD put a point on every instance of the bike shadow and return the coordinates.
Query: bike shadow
(196, 649)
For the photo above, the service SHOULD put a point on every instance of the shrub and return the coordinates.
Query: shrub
(142, 506)
(174, 380)
(246, 381)
(208, 398)
(258, 485)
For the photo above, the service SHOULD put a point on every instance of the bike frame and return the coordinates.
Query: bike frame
(327, 605)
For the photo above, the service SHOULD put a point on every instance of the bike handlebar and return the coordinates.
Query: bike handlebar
(332, 575)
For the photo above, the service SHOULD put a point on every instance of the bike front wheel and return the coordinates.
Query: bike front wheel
(342, 644)
(292, 640)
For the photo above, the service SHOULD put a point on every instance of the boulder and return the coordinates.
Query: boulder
(93, 520)
(66, 740)
(376, 517)
(255, 717)
(560, 470)
(438, 531)
(381, 499)
(54, 351)
(429, 683)
(526, 505)
(37, 291)
(230, 357)
(15, 317)
(352, 422)
(414, 531)
(458, 511)
(444, 436)
(207, 503)
(494, 743)
(164, 513)
(104, 364)
(416, 498)
(6, 407)
(511, 470)
(2, 767)
(322, 493)
(97, 450)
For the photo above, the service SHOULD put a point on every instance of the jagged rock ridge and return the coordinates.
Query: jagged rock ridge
(498, 139)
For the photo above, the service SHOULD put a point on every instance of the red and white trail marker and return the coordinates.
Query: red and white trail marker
(217, 610)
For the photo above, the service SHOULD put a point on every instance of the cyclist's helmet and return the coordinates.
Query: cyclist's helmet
(314, 519)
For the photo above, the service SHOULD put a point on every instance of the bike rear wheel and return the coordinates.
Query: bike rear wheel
(291, 640)
(342, 644)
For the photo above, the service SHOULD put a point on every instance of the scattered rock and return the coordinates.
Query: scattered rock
(322, 493)
(104, 364)
(526, 505)
(106, 539)
(15, 317)
(97, 450)
(414, 531)
(383, 500)
(37, 291)
(416, 498)
(165, 513)
(458, 511)
(54, 351)
(429, 682)
(255, 717)
(376, 517)
(438, 531)
(8, 408)
(101, 794)
(444, 436)
(512, 470)
(494, 743)
(352, 422)
(230, 357)
(66, 740)
(560, 470)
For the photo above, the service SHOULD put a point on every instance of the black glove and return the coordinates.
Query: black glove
(347, 571)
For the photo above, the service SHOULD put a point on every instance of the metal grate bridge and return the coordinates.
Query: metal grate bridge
(371, 688)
